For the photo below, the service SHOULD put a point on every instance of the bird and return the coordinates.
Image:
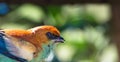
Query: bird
(32, 44)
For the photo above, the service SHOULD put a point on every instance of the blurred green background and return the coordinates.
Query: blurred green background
(84, 27)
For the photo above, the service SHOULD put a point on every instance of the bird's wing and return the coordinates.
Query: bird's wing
(16, 48)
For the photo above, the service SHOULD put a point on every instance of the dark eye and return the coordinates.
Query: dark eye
(50, 35)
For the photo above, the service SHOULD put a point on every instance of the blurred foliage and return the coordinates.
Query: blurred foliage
(82, 26)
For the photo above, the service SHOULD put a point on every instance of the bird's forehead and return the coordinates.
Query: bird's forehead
(54, 31)
(51, 29)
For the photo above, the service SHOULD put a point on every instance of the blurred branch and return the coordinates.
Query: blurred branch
(115, 26)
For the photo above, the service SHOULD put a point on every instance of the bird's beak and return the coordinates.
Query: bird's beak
(59, 39)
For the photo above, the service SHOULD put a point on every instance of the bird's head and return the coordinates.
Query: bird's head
(46, 37)
(47, 34)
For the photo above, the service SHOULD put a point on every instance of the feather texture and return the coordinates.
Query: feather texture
(31, 43)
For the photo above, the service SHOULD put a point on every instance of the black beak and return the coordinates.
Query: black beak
(59, 39)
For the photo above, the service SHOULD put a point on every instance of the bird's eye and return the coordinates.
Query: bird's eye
(50, 35)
